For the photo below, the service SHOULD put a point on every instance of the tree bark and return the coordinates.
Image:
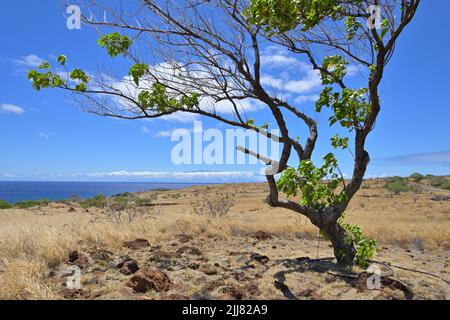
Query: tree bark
(343, 246)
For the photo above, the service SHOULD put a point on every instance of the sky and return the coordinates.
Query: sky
(45, 136)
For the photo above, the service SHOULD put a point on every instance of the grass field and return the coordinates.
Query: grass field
(35, 242)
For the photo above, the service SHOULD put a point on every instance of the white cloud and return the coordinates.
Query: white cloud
(353, 70)
(177, 78)
(145, 129)
(174, 175)
(44, 135)
(31, 60)
(163, 134)
(309, 83)
(306, 98)
(11, 108)
(273, 57)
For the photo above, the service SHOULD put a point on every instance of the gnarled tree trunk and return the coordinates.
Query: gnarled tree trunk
(343, 246)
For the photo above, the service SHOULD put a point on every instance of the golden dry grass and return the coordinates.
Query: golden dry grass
(35, 240)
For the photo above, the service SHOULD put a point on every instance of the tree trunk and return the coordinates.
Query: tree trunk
(344, 249)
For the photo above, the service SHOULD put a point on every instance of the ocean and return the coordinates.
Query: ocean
(14, 191)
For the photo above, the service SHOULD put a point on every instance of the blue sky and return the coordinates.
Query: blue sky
(43, 136)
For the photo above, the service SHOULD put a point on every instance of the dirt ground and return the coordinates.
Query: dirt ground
(252, 252)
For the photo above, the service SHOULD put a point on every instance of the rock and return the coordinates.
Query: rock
(213, 285)
(73, 255)
(101, 255)
(201, 296)
(136, 244)
(72, 210)
(150, 279)
(71, 294)
(235, 291)
(240, 276)
(193, 266)
(176, 296)
(209, 271)
(189, 250)
(128, 267)
(95, 295)
(262, 235)
(185, 238)
(329, 278)
(82, 261)
(260, 258)
(445, 245)
(307, 293)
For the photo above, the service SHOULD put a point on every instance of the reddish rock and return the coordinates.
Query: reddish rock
(211, 286)
(101, 255)
(128, 267)
(176, 296)
(209, 271)
(95, 295)
(71, 294)
(82, 262)
(136, 244)
(262, 235)
(150, 279)
(185, 238)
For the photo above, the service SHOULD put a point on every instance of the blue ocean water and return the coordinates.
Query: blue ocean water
(15, 191)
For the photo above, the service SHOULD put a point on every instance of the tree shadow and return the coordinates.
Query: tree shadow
(328, 266)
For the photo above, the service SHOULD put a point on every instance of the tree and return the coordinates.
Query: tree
(209, 54)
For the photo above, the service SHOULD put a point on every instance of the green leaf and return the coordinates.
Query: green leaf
(62, 59)
(115, 43)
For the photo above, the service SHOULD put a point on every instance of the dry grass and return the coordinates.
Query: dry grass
(32, 242)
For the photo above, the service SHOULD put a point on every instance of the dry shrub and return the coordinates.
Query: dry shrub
(217, 205)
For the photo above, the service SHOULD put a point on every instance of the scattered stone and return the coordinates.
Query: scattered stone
(260, 258)
(189, 250)
(240, 276)
(95, 295)
(209, 271)
(185, 238)
(235, 291)
(329, 278)
(101, 255)
(72, 210)
(201, 296)
(150, 279)
(128, 267)
(213, 285)
(136, 244)
(176, 296)
(262, 235)
(193, 266)
(71, 294)
(73, 255)
(78, 259)
(445, 245)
